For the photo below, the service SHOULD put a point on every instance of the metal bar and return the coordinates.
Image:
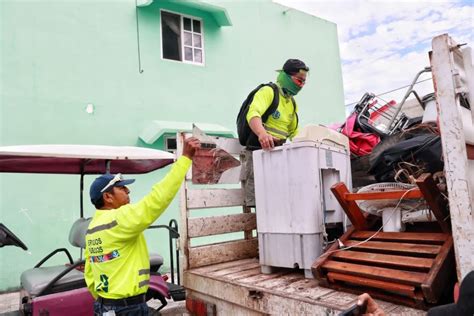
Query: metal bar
(173, 224)
(399, 107)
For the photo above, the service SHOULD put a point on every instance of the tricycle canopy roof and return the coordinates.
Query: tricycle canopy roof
(81, 159)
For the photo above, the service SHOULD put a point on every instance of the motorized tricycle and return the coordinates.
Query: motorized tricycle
(61, 289)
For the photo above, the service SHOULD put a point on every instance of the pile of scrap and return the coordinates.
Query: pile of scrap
(392, 141)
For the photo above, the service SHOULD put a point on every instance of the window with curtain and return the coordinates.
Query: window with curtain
(182, 38)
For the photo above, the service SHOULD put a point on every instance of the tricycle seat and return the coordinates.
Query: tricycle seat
(39, 280)
(36, 279)
(155, 262)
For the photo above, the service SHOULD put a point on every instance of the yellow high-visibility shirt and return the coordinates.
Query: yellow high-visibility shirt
(116, 254)
(282, 124)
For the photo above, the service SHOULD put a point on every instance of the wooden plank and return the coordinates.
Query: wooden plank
(283, 280)
(243, 274)
(461, 199)
(262, 277)
(210, 198)
(214, 225)
(384, 195)
(382, 274)
(436, 201)
(304, 288)
(235, 269)
(222, 252)
(183, 238)
(351, 209)
(299, 285)
(407, 290)
(397, 247)
(222, 266)
(381, 259)
(438, 238)
(441, 275)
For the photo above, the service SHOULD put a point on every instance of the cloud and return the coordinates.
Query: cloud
(383, 44)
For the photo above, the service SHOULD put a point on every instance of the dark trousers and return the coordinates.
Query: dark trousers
(140, 309)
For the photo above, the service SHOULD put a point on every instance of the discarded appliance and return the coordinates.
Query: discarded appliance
(393, 210)
(295, 209)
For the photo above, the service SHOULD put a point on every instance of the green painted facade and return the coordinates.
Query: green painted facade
(59, 56)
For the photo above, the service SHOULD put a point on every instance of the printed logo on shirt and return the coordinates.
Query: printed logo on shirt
(106, 257)
(276, 115)
(104, 283)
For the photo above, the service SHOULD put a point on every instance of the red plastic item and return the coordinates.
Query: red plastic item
(360, 144)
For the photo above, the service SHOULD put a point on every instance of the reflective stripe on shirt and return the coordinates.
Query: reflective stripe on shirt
(276, 131)
(143, 271)
(143, 283)
(102, 227)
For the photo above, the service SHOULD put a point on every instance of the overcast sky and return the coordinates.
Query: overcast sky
(383, 44)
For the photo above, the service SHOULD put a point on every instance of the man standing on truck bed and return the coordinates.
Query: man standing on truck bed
(117, 269)
(269, 117)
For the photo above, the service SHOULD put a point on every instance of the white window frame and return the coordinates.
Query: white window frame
(165, 140)
(181, 21)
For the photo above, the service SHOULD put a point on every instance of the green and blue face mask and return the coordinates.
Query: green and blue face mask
(287, 84)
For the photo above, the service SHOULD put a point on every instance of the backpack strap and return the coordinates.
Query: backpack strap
(252, 140)
(274, 105)
(294, 111)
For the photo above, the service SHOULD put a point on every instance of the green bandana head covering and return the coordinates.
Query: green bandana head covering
(287, 84)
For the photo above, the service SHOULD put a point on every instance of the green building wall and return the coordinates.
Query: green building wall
(58, 56)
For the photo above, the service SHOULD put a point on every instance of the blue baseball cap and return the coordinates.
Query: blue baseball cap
(106, 182)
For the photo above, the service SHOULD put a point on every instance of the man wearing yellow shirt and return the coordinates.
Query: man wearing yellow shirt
(281, 125)
(117, 269)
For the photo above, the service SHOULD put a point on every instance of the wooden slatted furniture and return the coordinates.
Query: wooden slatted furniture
(410, 268)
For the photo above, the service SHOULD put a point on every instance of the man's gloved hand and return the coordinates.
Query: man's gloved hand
(191, 144)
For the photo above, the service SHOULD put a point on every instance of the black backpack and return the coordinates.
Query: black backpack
(246, 136)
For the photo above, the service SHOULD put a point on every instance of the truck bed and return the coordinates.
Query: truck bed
(239, 287)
